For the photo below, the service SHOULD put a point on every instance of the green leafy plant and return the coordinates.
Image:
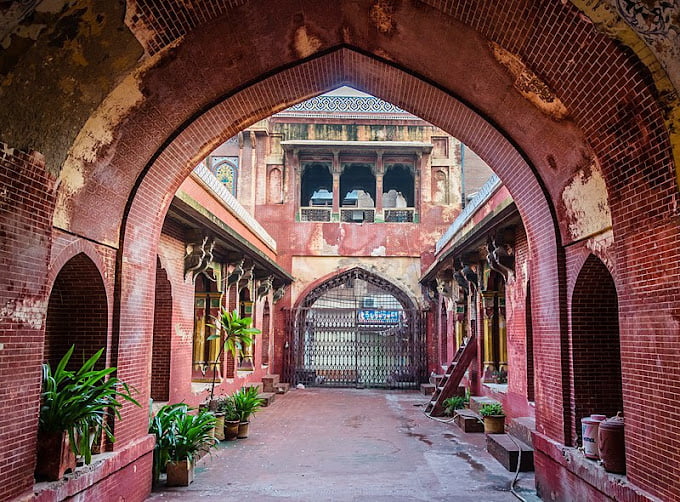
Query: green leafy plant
(193, 435)
(452, 404)
(491, 409)
(246, 402)
(163, 425)
(81, 402)
(226, 405)
(238, 334)
(180, 435)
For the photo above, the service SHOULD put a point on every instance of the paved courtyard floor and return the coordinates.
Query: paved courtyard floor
(350, 445)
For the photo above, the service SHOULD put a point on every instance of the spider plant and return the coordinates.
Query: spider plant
(238, 334)
(81, 402)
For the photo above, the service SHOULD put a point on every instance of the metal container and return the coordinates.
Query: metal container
(612, 444)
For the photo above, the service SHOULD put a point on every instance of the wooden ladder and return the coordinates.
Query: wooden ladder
(451, 379)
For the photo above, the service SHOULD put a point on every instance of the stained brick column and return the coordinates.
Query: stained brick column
(26, 207)
(336, 182)
(379, 173)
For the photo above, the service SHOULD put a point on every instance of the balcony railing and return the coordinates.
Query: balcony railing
(315, 214)
(400, 215)
(357, 215)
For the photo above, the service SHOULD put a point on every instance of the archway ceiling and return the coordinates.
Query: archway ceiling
(513, 82)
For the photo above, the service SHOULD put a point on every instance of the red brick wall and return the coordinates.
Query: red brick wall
(611, 105)
(595, 343)
(77, 314)
(26, 206)
(162, 337)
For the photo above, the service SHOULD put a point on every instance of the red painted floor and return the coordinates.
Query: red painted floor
(350, 445)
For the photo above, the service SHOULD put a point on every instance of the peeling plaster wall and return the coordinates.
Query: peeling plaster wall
(74, 50)
(585, 203)
(401, 271)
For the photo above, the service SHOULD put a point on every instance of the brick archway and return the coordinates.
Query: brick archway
(609, 101)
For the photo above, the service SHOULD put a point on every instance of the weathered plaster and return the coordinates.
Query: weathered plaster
(381, 15)
(401, 271)
(305, 43)
(529, 85)
(656, 41)
(25, 312)
(585, 203)
(97, 133)
(72, 53)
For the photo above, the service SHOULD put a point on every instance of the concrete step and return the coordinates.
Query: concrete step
(267, 398)
(427, 388)
(269, 383)
(522, 428)
(257, 385)
(476, 402)
(506, 449)
(282, 387)
(468, 421)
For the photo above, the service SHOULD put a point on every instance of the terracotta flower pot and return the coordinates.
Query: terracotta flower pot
(231, 430)
(55, 456)
(180, 473)
(243, 430)
(494, 424)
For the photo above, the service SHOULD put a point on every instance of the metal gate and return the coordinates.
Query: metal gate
(358, 330)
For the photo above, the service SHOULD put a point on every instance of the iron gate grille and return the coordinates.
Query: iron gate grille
(357, 334)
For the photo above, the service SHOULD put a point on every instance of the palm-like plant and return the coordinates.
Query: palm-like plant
(192, 435)
(80, 402)
(163, 425)
(238, 334)
(246, 402)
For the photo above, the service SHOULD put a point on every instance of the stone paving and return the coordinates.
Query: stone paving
(350, 445)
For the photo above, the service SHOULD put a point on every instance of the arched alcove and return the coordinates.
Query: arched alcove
(316, 177)
(357, 329)
(399, 177)
(77, 313)
(162, 336)
(596, 343)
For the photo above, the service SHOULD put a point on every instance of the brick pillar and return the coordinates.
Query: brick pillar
(27, 204)
(336, 182)
(379, 173)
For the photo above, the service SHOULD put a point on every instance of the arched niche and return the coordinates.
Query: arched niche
(77, 313)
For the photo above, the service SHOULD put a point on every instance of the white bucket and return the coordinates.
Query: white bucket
(589, 432)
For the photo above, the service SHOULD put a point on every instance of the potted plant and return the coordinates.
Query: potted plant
(494, 418)
(231, 418)
(237, 333)
(191, 436)
(246, 403)
(163, 425)
(75, 407)
(451, 404)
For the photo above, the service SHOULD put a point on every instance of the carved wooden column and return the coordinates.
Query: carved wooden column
(502, 337)
(488, 312)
